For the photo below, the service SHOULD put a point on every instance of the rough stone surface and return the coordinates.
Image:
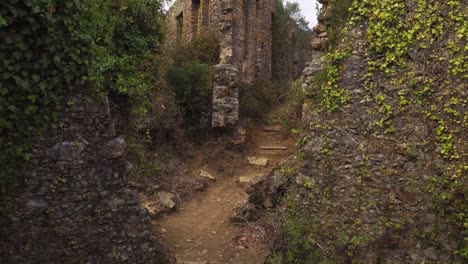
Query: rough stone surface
(114, 148)
(225, 96)
(250, 180)
(76, 205)
(258, 161)
(66, 151)
(245, 29)
(363, 192)
(166, 200)
(205, 174)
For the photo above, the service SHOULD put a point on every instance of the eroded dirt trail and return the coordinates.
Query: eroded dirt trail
(200, 230)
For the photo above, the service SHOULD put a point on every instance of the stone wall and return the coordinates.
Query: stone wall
(245, 33)
(75, 206)
(368, 194)
(244, 27)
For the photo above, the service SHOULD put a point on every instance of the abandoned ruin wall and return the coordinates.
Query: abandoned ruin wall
(245, 33)
(76, 205)
(245, 30)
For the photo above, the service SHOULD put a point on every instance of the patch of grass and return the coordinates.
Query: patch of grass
(140, 157)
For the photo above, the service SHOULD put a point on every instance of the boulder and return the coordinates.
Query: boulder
(66, 151)
(166, 200)
(114, 148)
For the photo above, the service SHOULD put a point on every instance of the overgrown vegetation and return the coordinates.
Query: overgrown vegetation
(290, 34)
(50, 47)
(256, 99)
(193, 90)
(331, 95)
(190, 77)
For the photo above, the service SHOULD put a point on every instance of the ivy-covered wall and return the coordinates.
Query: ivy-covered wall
(382, 165)
(50, 47)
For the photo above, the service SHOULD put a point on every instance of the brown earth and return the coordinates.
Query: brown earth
(200, 231)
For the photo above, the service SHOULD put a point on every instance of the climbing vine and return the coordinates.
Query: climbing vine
(333, 95)
(416, 69)
(49, 47)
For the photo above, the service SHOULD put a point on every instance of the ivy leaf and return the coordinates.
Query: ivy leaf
(36, 78)
(3, 22)
(12, 108)
(32, 98)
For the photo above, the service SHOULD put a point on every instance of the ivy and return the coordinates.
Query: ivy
(48, 47)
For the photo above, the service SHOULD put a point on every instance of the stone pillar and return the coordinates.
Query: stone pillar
(263, 39)
(226, 76)
(205, 14)
(225, 96)
(250, 59)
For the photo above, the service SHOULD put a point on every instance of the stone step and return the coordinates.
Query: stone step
(272, 128)
(273, 148)
(272, 152)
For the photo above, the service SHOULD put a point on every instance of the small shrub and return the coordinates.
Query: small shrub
(289, 114)
(258, 98)
(140, 157)
(192, 85)
(301, 248)
(204, 48)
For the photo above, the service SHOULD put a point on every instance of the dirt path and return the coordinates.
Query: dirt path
(200, 231)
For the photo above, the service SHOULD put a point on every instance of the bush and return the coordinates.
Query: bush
(256, 99)
(290, 112)
(140, 156)
(192, 85)
(203, 48)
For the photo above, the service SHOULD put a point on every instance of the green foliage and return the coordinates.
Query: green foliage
(125, 50)
(446, 139)
(190, 78)
(193, 89)
(41, 54)
(203, 48)
(302, 248)
(140, 156)
(458, 44)
(333, 96)
(416, 54)
(449, 198)
(291, 109)
(49, 46)
(257, 98)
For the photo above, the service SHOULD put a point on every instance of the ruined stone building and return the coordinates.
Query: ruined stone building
(245, 34)
(245, 28)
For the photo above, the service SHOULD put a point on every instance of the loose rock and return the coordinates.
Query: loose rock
(205, 174)
(258, 161)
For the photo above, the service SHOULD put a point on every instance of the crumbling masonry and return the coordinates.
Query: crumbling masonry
(245, 28)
